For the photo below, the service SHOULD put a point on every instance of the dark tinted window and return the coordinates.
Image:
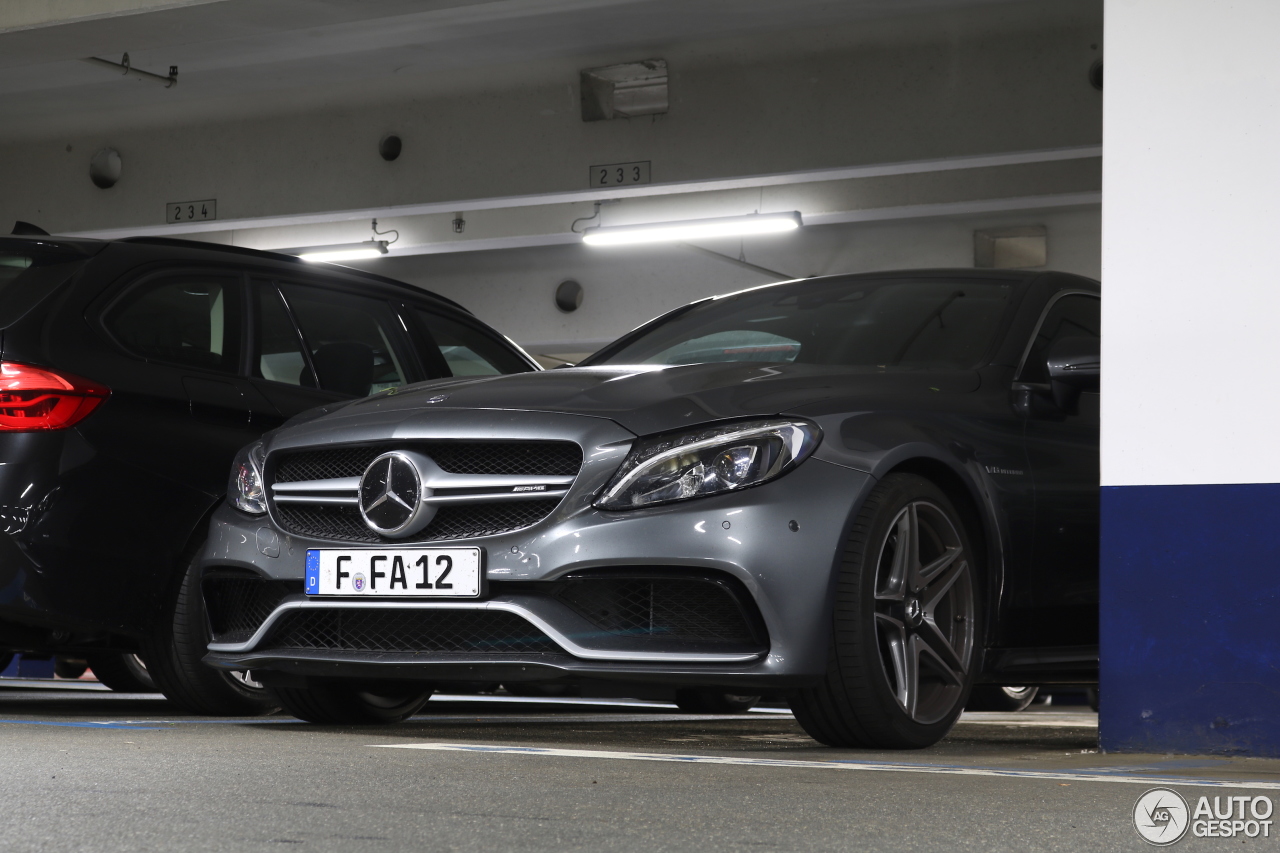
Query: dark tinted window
(279, 356)
(23, 265)
(353, 339)
(1075, 316)
(908, 323)
(13, 265)
(469, 351)
(184, 318)
(29, 274)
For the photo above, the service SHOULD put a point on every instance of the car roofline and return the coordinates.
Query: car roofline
(86, 245)
(1024, 276)
(950, 272)
(279, 256)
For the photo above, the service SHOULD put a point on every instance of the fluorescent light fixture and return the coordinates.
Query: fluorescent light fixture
(692, 229)
(340, 251)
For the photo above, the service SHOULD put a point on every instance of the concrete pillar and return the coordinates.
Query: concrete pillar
(1191, 387)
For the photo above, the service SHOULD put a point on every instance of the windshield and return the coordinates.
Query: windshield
(916, 323)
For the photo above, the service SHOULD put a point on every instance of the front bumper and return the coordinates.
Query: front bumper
(784, 574)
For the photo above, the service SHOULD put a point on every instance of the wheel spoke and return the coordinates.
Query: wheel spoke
(894, 587)
(939, 649)
(913, 544)
(914, 579)
(910, 695)
(952, 671)
(943, 583)
(938, 566)
(895, 636)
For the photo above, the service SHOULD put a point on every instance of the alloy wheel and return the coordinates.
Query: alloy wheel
(924, 611)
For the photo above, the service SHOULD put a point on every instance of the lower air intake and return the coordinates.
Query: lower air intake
(238, 605)
(472, 632)
(672, 609)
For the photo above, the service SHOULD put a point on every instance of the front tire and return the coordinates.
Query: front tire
(907, 614)
(175, 658)
(336, 703)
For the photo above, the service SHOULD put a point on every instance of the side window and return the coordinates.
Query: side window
(188, 319)
(279, 356)
(1074, 316)
(352, 340)
(469, 351)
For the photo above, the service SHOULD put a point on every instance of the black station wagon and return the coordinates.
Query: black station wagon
(131, 372)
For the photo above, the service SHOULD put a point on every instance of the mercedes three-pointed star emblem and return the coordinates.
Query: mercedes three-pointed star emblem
(391, 496)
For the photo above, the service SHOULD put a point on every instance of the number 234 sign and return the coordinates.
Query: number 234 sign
(191, 211)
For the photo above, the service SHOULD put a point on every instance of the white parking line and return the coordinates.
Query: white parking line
(1091, 775)
(1031, 719)
(495, 719)
(59, 684)
(576, 700)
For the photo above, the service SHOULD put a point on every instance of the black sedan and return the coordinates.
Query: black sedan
(871, 492)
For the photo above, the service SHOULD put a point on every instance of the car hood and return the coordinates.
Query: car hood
(648, 399)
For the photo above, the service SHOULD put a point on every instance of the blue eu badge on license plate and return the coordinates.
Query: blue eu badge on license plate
(313, 572)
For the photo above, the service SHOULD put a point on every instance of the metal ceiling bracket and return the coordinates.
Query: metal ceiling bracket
(125, 67)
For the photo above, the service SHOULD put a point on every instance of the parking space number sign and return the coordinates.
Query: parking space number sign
(191, 211)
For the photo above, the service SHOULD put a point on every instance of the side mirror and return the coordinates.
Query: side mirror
(1074, 366)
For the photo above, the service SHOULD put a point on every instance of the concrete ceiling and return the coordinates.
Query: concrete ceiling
(233, 53)
(910, 109)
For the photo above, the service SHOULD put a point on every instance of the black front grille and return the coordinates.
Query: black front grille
(319, 521)
(680, 610)
(325, 464)
(530, 458)
(471, 632)
(462, 521)
(238, 605)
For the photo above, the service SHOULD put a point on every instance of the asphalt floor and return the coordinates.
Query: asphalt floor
(84, 769)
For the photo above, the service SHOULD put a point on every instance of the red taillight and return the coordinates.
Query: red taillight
(35, 398)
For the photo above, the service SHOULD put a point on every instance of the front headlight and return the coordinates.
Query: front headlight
(709, 461)
(246, 491)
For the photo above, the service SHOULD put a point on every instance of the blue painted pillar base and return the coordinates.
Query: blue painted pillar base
(1190, 627)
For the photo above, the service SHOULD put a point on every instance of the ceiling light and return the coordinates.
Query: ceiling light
(340, 251)
(692, 229)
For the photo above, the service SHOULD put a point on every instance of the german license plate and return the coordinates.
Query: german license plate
(386, 572)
